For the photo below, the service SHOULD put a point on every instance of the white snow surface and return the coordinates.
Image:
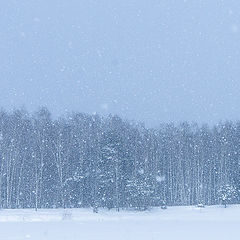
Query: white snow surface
(175, 223)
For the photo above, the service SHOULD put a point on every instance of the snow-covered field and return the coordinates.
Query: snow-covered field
(175, 223)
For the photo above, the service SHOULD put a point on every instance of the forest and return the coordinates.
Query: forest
(82, 160)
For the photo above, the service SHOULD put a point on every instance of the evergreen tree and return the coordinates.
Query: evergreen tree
(227, 194)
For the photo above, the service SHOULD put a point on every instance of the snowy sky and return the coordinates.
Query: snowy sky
(149, 60)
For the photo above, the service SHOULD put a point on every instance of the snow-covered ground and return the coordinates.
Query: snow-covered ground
(175, 223)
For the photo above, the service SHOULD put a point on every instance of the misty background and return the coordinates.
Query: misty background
(151, 61)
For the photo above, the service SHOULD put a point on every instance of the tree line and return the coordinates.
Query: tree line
(83, 160)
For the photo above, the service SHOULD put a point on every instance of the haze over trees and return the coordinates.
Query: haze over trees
(91, 161)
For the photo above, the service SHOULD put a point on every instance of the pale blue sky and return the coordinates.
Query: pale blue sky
(149, 60)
